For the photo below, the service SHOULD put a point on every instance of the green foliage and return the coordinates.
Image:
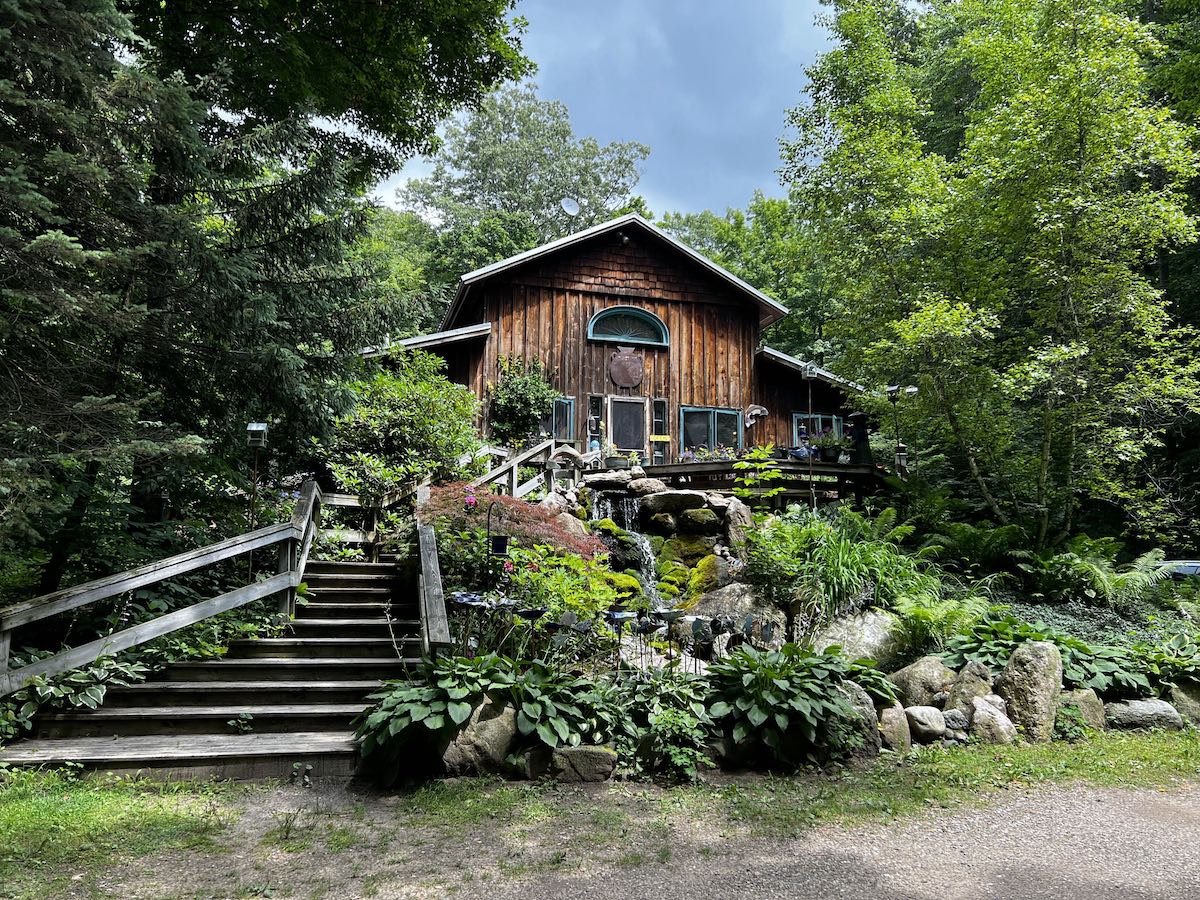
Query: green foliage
(1172, 662)
(759, 472)
(1069, 724)
(973, 549)
(977, 175)
(815, 567)
(518, 401)
(661, 723)
(541, 577)
(1086, 571)
(408, 421)
(779, 703)
(1110, 671)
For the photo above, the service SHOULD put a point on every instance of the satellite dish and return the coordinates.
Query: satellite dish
(570, 206)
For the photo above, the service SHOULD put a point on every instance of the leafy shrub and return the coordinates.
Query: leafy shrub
(539, 577)
(410, 420)
(813, 567)
(976, 549)
(457, 507)
(79, 689)
(662, 723)
(1172, 662)
(519, 400)
(1087, 570)
(1111, 671)
(552, 706)
(780, 703)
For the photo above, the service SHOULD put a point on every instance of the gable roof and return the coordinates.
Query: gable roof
(769, 310)
(807, 369)
(424, 341)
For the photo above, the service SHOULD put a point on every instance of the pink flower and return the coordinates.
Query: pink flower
(471, 501)
(508, 566)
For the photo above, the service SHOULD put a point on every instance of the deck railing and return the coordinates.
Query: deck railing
(541, 456)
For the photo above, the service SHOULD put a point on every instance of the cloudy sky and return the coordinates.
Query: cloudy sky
(704, 83)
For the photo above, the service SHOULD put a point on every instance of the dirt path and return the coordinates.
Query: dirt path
(639, 842)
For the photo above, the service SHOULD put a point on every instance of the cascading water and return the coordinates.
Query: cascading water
(624, 510)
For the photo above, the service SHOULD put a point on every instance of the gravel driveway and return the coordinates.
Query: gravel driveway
(1063, 843)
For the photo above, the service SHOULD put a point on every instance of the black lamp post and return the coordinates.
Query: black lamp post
(893, 394)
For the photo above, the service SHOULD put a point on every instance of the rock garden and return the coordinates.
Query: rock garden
(628, 630)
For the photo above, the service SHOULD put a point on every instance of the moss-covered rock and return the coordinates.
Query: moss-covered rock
(656, 543)
(699, 521)
(674, 573)
(628, 588)
(661, 523)
(622, 548)
(688, 549)
(667, 590)
(703, 578)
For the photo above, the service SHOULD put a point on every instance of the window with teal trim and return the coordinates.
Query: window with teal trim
(628, 325)
(709, 428)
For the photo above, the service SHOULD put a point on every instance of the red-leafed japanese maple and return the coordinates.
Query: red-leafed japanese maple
(460, 507)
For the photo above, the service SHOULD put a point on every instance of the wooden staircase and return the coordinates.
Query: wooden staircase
(267, 705)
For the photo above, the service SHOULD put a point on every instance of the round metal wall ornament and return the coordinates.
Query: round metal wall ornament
(626, 368)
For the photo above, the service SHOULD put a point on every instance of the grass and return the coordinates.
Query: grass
(785, 807)
(55, 825)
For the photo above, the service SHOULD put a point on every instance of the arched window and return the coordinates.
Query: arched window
(628, 325)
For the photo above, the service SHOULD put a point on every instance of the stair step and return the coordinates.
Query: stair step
(349, 628)
(209, 693)
(316, 581)
(349, 594)
(318, 647)
(350, 567)
(326, 610)
(288, 669)
(330, 753)
(109, 721)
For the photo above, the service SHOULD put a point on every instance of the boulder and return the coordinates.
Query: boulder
(699, 521)
(704, 577)
(989, 724)
(1132, 714)
(555, 502)
(1088, 704)
(738, 601)
(608, 479)
(643, 486)
(636, 472)
(996, 701)
(719, 503)
(956, 720)
(873, 634)
(925, 723)
(482, 745)
(687, 549)
(865, 724)
(1030, 686)
(583, 764)
(738, 520)
(673, 502)
(661, 523)
(893, 728)
(1186, 700)
(974, 680)
(919, 682)
(571, 524)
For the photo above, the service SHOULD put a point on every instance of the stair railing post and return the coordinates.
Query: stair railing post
(5, 643)
(289, 561)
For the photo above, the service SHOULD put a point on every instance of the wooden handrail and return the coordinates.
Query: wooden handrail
(294, 538)
(110, 586)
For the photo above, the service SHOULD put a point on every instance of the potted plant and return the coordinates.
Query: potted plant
(612, 459)
(830, 447)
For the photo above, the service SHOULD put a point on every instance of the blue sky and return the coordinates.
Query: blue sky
(704, 83)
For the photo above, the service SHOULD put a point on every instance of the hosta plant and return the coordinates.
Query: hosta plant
(781, 703)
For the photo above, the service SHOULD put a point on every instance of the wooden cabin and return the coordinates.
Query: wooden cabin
(642, 336)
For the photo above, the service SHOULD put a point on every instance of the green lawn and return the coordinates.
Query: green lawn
(61, 833)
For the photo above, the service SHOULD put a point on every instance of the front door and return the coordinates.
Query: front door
(628, 424)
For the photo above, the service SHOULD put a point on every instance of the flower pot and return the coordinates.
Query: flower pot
(616, 462)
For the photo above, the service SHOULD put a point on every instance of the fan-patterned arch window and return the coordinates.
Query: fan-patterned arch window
(628, 325)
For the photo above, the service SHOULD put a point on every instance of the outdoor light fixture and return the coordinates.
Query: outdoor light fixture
(256, 435)
(893, 394)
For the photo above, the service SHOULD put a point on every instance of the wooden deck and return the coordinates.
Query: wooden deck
(829, 482)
